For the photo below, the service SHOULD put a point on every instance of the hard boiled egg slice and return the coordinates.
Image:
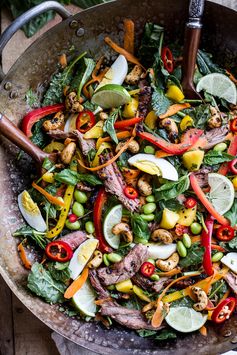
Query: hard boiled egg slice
(117, 72)
(154, 166)
(163, 252)
(31, 212)
(230, 260)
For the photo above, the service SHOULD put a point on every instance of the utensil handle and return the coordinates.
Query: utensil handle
(196, 9)
(16, 136)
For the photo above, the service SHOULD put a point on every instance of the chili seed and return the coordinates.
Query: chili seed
(217, 257)
(181, 249)
(220, 147)
(89, 227)
(78, 209)
(80, 196)
(72, 226)
(149, 149)
(148, 217)
(155, 277)
(150, 198)
(149, 208)
(105, 260)
(187, 240)
(114, 258)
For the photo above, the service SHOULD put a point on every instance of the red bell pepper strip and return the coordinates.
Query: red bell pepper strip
(207, 204)
(232, 150)
(127, 123)
(59, 251)
(34, 116)
(206, 243)
(167, 58)
(224, 309)
(97, 217)
(188, 139)
(233, 166)
(85, 121)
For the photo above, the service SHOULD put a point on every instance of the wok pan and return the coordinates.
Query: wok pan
(86, 31)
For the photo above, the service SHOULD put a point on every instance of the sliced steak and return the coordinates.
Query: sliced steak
(83, 187)
(215, 136)
(202, 176)
(96, 284)
(160, 284)
(86, 144)
(231, 279)
(74, 239)
(142, 281)
(126, 268)
(58, 134)
(144, 100)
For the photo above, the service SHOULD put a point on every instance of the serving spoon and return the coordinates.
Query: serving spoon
(191, 45)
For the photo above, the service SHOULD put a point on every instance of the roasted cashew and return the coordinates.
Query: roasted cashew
(171, 127)
(68, 152)
(201, 298)
(55, 123)
(96, 261)
(130, 176)
(215, 121)
(133, 147)
(72, 103)
(133, 77)
(168, 264)
(162, 235)
(124, 230)
(144, 185)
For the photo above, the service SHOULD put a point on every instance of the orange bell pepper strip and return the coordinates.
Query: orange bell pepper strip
(173, 109)
(27, 264)
(76, 284)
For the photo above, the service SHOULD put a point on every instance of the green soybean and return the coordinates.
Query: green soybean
(149, 207)
(72, 226)
(89, 227)
(196, 228)
(181, 249)
(150, 198)
(80, 196)
(114, 258)
(78, 209)
(152, 261)
(111, 287)
(149, 149)
(187, 240)
(148, 217)
(105, 260)
(217, 257)
(155, 277)
(220, 147)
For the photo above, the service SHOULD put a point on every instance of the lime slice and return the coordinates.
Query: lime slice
(111, 95)
(113, 217)
(185, 319)
(218, 85)
(84, 300)
(222, 192)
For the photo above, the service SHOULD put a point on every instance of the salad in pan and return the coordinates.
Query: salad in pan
(133, 219)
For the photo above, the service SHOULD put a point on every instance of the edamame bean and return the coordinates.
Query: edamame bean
(196, 228)
(155, 277)
(80, 196)
(89, 227)
(181, 249)
(150, 198)
(111, 287)
(72, 226)
(152, 261)
(78, 209)
(114, 258)
(148, 208)
(220, 147)
(187, 240)
(149, 149)
(105, 260)
(148, 217)
(217, 257)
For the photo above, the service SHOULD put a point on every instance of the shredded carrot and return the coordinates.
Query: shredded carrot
(162, 154)
(54, 200)
(231, 76)
(23, 256)
(207, 286)
(77, 284)
(95, 77)
(63, 60)
(129, 35)
(120, 135)
(102, 301)
(173, 109)
(203, 331)
(169, 273)
(196, 239)
(218, 247)
(130, 57)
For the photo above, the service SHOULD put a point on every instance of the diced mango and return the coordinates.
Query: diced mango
(130, 109)
(169, 219)
(140, 293)
(192, 160)
(186, 122)
(175, 93)
(96, 131)
(125, 286)
(187, 216)
(151, 119)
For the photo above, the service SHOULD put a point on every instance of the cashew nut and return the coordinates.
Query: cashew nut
(124, 230)
(144, 185)
(133, 147)
(201, 298)
(133, 77)
(55, 123)
(68, 152)
(72, 103)
(171, 127)
(168, 264)
(130, 176)
(96, 261)
(162, 235)
(215, 121)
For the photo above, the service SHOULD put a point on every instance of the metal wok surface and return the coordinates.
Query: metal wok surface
(33, 69)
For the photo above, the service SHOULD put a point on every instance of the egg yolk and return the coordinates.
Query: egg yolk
(28, 204)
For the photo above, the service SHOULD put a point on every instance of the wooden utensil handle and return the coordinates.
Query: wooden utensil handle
(192, 39)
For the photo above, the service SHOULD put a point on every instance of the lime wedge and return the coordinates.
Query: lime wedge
(222, 192)
(84, 300)
(218, 85)
(111, 95)
(113, 217)
(185, 319)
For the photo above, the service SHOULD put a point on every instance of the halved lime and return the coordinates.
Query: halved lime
(84, 300)
(185, 319)
(113, 217)
(111, 95)
(222, 192)
(218, 85)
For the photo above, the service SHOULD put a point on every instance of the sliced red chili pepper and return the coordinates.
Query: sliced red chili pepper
(130, 192)
(232, 150)
(190, 202)
(147, 269)
(72, 218)
(224, 309)
(167, 58)
(206, 242)
(59, 251)
(233, 166)
(233, 125)
(127, 123)
(85, 121)
(225, 233)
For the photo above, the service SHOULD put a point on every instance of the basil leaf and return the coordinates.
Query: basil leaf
(109, 125)
(194, 256)
(47, 164)
(139, 227)
(206, 65)
(59, 271)
(171, 190)
(159, 102)
(201, 115)
(90, 179)
(172, 205)
(150, 42)
(213, 157)
(166, 334)
(71, 177)
(232, 214)
(85, 70)
(146, 333)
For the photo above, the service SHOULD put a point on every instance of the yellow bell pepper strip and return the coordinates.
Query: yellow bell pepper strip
(140, 293)
(150, 120)
(186, 122)
(54, 147)
(96, 131)
(102, 147)
(175, 93)
(52, 199)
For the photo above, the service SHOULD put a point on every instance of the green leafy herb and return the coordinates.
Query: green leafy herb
(150, 42)
(230, 246)
(232, 214)
(71, 177)
(47, 164)
(213, 157)
(201, 115)
(194, 256)
(164, 334)
(171, 190)
(159, 102)
(144, 333)
(86, 71)
(31, 234)
(90, 179)
(183, 302)
(59, 271)
(32, 99)
(139, 227)
(219, 288)
(39, 138)
(109, 125)
(172, 205)
(206, 65)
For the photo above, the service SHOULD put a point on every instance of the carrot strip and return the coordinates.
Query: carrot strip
(120, 135)
(169, 273)
(23, 256)
(196, 239)
(101, 301)
(77, 284)
(63, 60)
(218, 247)
(129, 35)
(95, 77)
(162, 154)
(49, 197)
(231, 76)
(173, 109)
(203, 331)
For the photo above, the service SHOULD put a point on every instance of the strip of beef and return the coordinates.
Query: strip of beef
(58, 134)
(115, 184)
(144, 101)
(74, 239)
(86, 144)
(96, 284)
(202, 176)
(148, 284)
(231, 279)
(126, 268)
(215, 136)
(159, 285)
(83, 187)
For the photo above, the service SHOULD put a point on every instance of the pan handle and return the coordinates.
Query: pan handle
(26, 17)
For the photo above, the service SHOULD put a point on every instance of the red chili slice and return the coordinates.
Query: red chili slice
(130, 192)
(233, 166)
(59, 251)
(233, 125)
(147, 269)
(180, 230)
(85, 121)
(167, 58)
(72, 218)
(190, 202)
(225, 233)
(224, 309)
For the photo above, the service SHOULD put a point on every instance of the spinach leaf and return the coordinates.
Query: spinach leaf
(232, 214)
(59, 271)
(31, 234)
(109, 125)
(172, 205)
(54, 94)
(159, 102)
(139, 227)
(71, 177)
(162, 335)
(84, 72)
(90, 179)
(194, 256)
(39, 138)
(201, 115)
(213, 157)
(150, 42)
(42, 284)
(171, 190)
(206, 65)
